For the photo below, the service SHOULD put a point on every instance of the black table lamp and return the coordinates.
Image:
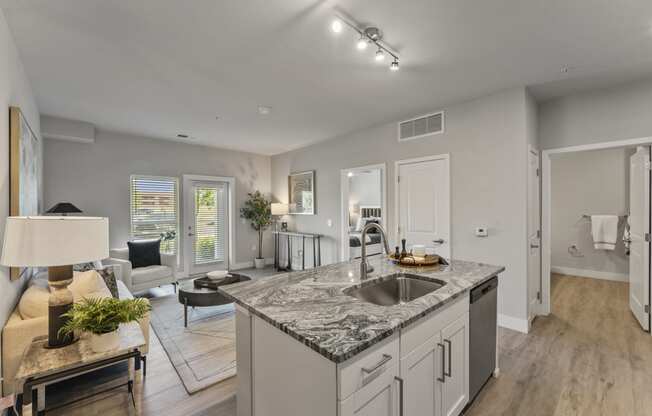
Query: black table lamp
(63, 208)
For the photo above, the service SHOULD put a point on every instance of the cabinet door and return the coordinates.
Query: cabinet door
(455, 390)
(419, 371)
(378, 398)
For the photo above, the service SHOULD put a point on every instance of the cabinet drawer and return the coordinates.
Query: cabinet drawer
(364, 368)
(380, 397)
(422, 330)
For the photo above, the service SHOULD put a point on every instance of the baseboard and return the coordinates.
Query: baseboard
(569, 271)
(249, 264)
(516, 324)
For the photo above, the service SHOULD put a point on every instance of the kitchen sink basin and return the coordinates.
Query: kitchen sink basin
(395, 290)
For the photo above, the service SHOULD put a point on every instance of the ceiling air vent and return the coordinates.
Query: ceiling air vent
(421, 127)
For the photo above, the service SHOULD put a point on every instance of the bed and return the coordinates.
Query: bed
(373, 243)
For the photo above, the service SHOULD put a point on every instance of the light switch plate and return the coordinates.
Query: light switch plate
(329, 223)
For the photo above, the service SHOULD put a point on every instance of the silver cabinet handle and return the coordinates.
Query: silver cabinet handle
(443, 363)
(386, 358)
(400, 396)
(450, 358)
(439, 241)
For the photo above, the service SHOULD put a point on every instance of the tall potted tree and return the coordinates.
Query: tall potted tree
(257, 210)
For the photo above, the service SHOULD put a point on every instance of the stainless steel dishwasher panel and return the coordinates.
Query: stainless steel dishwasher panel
(482, 329)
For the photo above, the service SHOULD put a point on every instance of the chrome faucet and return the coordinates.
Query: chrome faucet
(364, 266)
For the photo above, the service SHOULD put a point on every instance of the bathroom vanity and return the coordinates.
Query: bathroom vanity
(324, 343)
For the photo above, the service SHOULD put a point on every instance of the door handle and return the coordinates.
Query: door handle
(450, 358)
(532, 245)
(191, 234)
(439, 241)
(443, 363)
(400, 396)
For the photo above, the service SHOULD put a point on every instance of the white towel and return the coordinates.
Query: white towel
(627, 237)
(604, 229)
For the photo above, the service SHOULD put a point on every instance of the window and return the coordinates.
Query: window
(154, 210)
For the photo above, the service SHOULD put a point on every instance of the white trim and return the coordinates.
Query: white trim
(537, 305)
(344, 204)
(69, 138)
(516, 324)
(187, 218)
(546, 205)
(421, 136)
(595, 274)
(397, 164)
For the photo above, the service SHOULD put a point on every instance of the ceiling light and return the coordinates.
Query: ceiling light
(380, 55)
(362, 43)
(394, 65)
(336, 26)
(264, 110)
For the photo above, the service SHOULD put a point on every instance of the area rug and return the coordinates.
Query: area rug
(202, 354)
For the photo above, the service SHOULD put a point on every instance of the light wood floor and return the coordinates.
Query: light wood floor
(589, 357)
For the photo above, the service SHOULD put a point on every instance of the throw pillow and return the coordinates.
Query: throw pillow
(34, 302)
(144, 253)
(88, 285)
(108, 274)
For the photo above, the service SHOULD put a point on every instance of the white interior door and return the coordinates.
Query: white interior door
(639, 219)
(534, 234)
(424, 203)
(206, 226)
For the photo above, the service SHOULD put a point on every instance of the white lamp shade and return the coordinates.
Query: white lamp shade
(54, 241)
(280, 209)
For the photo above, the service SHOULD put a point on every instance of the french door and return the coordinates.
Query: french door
(206, 210)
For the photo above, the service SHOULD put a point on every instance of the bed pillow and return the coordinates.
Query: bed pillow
(144, 253)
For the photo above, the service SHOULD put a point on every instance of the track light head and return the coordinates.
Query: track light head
(380, 55)
(362, 43)
(394, 65)
(336, 26)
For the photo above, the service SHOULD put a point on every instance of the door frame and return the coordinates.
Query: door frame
(187, 218)
(397, 164)
(344, 198)
(546, 204)
(537, 307)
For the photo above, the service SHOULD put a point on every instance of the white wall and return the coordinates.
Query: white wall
(592, 182)
(15, 90)
(487, 140)
(603, 115)
(95, 177)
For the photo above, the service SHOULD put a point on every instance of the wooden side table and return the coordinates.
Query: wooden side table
(42, 366)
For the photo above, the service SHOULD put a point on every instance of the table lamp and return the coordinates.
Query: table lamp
(279, 210)
(56, 242)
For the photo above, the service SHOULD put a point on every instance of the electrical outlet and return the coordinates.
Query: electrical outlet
(481, 232)
(329, 223)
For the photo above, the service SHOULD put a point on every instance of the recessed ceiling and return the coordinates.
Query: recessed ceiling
(158, 67)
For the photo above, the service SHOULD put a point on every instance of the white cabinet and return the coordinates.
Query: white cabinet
(435, 372)
(455, 388)
(419, 370)
(378, 398)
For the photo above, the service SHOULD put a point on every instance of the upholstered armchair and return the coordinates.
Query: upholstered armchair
(142, 278)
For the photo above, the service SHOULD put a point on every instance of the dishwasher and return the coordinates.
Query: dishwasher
(482, 335)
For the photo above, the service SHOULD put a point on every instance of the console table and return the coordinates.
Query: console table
(41, 366)
(289, 235)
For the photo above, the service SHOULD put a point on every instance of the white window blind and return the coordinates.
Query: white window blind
(154, 210)
(210, 216)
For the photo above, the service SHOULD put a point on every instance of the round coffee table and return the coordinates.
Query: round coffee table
(203, 292)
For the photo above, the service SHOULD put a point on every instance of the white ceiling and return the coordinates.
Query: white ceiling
(162, 67)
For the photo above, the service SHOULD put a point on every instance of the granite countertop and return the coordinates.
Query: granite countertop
(311, 306)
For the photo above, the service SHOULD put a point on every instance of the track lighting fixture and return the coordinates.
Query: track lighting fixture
(362, 43)
(369, 35)
(336, 26)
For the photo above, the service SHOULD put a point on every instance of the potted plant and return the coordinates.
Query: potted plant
(101, 317)
(257, 210)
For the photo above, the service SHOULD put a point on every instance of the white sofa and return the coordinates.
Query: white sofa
(143, 278)
(18, 333)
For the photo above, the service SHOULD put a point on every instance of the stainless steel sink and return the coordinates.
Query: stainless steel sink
(395, 289)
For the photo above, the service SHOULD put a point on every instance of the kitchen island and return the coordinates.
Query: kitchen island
(307, 346)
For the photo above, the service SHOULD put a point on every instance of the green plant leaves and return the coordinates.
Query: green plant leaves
(103, 315)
